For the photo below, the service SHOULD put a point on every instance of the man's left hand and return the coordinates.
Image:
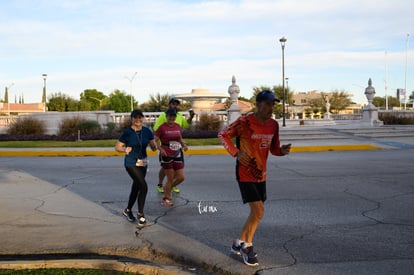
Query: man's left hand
(285, 149)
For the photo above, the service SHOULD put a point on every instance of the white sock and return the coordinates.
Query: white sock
(239, 242)
(246, 244)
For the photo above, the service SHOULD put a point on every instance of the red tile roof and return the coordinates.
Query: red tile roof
(21, 107)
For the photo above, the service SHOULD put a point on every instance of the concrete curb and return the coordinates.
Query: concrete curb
(65, 152)
(117, 265)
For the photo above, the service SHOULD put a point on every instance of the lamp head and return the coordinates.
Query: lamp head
(282, 41)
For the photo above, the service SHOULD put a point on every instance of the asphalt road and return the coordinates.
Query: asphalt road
(348, 212)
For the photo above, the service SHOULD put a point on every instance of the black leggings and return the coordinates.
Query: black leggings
(139, 187)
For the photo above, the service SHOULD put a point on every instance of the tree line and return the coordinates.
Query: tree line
(120, 102)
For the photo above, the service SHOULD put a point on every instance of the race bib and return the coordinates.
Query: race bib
(141, 162)
(174, 145)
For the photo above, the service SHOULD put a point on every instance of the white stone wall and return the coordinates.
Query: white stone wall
(52, 120)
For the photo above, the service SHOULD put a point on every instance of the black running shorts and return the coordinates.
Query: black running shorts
(253, 191)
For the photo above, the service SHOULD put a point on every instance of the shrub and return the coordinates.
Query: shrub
(209, 122)
(69, 127)
(394, 119)
(89, 127)
(125, 123)
(110, 128)
(26, 125)
(187, 133)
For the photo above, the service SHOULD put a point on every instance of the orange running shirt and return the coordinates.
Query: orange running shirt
(256, 140)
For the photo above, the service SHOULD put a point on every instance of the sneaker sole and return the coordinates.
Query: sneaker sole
(236, 252)
(175, 191)
(245, 258)
(249, 264)
(128, 219)
(141, 223)
(139, 227)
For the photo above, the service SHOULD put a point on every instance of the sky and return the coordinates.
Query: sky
(175, 46)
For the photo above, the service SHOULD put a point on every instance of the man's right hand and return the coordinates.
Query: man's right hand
(285, 149)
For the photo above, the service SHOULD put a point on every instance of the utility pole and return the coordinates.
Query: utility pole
(406, 62)
(44, 92)
(131, 79)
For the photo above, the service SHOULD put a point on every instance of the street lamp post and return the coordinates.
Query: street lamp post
(8, 101)
(283, 42)
(130, 88)
(287, 96)
(386, 82)
(405, 80)
(44, 92)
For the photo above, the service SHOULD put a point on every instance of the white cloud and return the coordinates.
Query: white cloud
(180, 45)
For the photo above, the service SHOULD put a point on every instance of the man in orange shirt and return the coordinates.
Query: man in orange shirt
(256, 135)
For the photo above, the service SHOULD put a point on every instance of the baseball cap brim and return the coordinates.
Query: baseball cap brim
(136, 113)
(174, 100)
(266, 96)
(171, 112)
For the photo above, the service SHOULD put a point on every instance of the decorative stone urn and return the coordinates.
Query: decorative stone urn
(370, 93)
(370, 112)
(327, 115)
(234, 111)
(234, 91)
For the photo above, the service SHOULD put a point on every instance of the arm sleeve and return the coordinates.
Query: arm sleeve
(150, 134)
(275, 145)
(158, 132)
(226, 136)
(123, 138)
(183, 122)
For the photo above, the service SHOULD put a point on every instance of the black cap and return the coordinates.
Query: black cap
(171, 112)
(137, 112)
(174, 100)
(266, 96)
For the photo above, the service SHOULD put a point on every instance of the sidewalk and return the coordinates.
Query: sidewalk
(45, 222)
